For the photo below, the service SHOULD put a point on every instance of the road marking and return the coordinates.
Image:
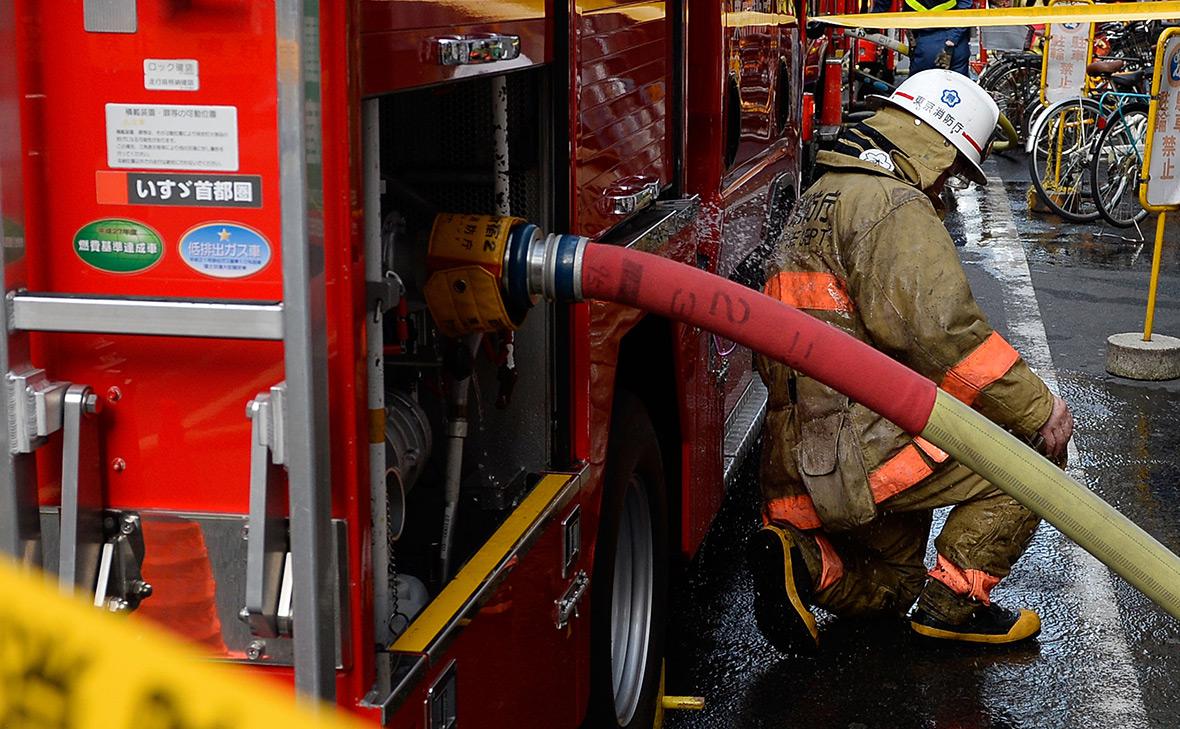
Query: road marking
(1113, 696)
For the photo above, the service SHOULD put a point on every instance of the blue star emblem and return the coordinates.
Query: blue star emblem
(950, 97)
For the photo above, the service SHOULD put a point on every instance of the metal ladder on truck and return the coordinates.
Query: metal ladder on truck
(34, 406)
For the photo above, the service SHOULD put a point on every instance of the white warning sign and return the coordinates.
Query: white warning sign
(1162, 166)
(172, 137)
(1069, 50)
(171, 74)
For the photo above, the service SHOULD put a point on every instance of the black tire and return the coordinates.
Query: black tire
(1059, 161)
(633, 504)
(1114, 170)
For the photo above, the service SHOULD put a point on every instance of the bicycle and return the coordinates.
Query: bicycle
(1014, 81)
(1117, 156)
(1064, 142)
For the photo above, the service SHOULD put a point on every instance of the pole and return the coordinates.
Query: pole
(1155, 276)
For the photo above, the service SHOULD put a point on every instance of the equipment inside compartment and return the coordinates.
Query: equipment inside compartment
(460, 452)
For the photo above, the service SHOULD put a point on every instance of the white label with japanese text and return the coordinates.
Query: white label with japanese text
(172, 137)
(1068, 55)
(171, 74)
(1163, 177)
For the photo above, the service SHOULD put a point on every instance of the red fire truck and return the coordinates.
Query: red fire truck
(229, 409)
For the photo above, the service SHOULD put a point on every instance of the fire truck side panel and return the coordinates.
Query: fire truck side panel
(702, 417)
(108, 115)
(742, 160)
(179, 400)
(621, 134)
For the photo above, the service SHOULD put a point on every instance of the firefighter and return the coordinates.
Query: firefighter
(848, 496)
(939, 47)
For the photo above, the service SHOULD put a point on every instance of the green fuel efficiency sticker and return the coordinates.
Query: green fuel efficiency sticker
(116, 245)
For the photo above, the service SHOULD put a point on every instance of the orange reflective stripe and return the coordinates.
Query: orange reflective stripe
(898, 473)
(975, 584)
(935, 453)
(810, 290)
(889, 479)
(989, 362)
(833, 566)
(798, 511)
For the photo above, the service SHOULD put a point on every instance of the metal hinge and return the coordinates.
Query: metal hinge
(567, 604)
(36, 407)
(268, 554)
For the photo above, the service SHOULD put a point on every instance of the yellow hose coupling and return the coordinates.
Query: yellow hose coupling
(466, 257)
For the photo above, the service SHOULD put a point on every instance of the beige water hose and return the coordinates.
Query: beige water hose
(1077, 512)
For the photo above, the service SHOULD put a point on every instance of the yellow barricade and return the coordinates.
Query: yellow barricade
(1098, 13)
(65, 665)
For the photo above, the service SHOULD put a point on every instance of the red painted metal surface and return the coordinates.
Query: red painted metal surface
(833, 111)
(807, 128)
(393, 60)
(747, 55)
(174, 430)
(514, 630)
(181, 402)
(619, 104)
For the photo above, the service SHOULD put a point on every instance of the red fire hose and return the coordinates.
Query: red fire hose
(732, 311)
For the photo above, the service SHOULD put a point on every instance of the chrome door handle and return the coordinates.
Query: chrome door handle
(629, 194)
(465, 50)
(567, 604)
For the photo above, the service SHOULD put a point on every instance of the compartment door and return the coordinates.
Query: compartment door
(496, 648)
(620, 101)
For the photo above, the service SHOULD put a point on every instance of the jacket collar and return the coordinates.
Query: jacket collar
(891, 144)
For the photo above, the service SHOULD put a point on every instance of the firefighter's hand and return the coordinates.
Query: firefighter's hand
(1057, 430)
(943, 59)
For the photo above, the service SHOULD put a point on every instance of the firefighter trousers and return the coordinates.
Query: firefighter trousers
(985, 533)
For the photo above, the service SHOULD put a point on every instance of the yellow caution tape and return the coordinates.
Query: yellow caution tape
(1098, 13)
(65, 665)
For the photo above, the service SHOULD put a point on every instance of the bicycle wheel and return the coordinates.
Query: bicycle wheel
(1059, 162)
(1114, 169)
(1014, 83)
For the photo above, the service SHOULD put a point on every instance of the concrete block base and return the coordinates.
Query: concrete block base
(1127, 355)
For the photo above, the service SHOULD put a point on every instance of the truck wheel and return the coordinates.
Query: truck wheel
(630, 584)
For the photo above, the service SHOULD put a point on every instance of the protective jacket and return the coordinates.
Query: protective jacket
(865, 250)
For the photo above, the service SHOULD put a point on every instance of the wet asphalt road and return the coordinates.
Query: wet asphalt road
(1106, 657)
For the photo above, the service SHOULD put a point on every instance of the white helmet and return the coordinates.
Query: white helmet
(955, 106)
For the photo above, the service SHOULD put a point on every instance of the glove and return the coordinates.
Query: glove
(943, 59)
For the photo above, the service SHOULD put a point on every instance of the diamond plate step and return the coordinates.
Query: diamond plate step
(742, 426)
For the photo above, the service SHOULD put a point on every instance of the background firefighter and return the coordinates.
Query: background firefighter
(936, 47)
(849, 495)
